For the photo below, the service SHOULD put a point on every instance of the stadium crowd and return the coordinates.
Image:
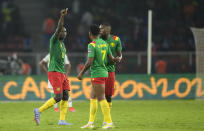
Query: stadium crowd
(11, 27)
(172, 20)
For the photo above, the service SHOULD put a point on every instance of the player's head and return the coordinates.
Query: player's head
(105, 30)
(94, 31)
(63, 34)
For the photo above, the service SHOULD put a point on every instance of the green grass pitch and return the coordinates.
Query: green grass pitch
(145, 115)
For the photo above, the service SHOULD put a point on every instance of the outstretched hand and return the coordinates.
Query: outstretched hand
(63, 12)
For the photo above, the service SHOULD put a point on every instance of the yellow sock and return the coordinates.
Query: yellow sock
(63, 109)
(106, 111)
(110, 104)
(47, 104)
(93, 109)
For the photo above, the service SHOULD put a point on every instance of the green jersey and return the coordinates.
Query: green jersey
(57, 55)
(115, 45)
(99, 50)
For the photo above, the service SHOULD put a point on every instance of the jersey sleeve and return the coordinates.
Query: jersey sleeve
(46, 58)
(52, 38)
(91, 50)
(66, 60)
(119, 46)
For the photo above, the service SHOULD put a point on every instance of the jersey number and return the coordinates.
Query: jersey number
(104, 54)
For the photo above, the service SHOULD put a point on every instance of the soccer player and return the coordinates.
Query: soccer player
(56, 73)
(116, 48)
(44, 61)
(98, 54)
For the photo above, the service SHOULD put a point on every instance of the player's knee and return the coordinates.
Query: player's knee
(58, 97)
(108, 98)
(65, 95)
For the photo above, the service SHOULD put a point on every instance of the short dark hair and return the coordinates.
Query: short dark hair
(106, 24)
(94, 29)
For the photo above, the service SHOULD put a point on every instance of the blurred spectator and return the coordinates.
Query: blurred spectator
(27, 43)
(76, 6)
(87, 19)
(48, 29)
(4, 67)
(26, 69)
(11, 27)
(15, 64)
(160, 66)
(7, 15)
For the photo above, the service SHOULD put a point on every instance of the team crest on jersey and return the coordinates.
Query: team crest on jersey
(58, 89)
(112, 44)
(115, 38)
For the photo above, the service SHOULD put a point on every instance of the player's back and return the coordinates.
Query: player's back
(101, 50)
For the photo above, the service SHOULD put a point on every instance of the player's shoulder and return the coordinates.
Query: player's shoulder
(53, 36)
(93, 43)
(115, 37)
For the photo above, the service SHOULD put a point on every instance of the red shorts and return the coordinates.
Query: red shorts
(58, 81)
(98, 80)
(110, 81)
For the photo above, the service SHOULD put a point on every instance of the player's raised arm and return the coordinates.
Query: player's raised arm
(60, 23)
